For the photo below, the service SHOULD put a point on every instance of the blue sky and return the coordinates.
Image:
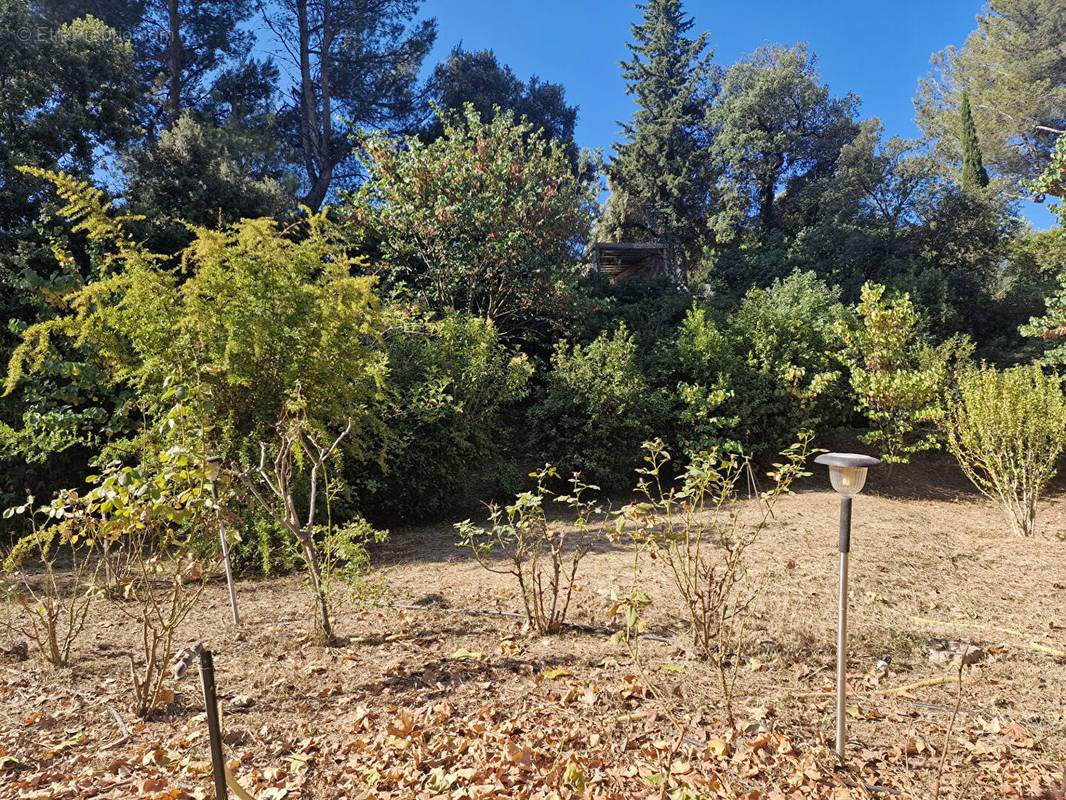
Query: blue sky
(877, 50)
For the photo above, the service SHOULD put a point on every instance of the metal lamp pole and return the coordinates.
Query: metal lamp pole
(214, 466)
(847, 474)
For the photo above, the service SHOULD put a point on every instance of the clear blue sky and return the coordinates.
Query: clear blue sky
(877, 50)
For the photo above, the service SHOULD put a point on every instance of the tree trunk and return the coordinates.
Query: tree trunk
(319, 187)
(174, 49)
(308, 117)
(315, 135)
(315, 570)
(766, 212)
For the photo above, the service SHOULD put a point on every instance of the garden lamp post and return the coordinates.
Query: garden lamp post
(847, 474)
(214, 466)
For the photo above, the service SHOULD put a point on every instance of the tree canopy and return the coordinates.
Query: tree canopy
(489, 218)
(1012, 71)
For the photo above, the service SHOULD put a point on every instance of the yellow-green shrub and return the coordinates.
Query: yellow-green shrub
(1007, 429)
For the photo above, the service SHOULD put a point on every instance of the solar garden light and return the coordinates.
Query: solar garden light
(214, 466)
(847, 474)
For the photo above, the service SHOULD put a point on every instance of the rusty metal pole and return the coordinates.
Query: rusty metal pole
(214, 730)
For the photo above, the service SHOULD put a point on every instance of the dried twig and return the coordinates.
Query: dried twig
(951, 726)
(118, 721)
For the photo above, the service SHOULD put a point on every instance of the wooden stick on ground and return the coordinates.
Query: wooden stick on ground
(238, 790)
(1043, 648)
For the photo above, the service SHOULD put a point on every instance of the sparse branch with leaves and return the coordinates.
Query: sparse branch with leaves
(53, 598)
(701, 532)
(274, 485)
(543, 555)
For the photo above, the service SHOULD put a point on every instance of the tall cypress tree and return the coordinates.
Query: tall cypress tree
(974, 173)
(662, 171)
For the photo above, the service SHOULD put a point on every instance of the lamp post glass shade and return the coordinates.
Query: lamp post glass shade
(848, 481)
(847, 471)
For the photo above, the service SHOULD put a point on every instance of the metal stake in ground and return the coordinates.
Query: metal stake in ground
(214, 466)
(847, 474)
(214, 730)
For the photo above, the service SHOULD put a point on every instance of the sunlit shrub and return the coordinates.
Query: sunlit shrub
(1007, 429)
(541, 555)
(450, 380)
(897, 375)
(700, 532)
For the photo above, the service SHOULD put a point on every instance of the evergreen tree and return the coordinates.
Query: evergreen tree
(1013, 67)
(354, 64)
(974, 173)
(778, 130)
(663, 169)
(477, 77)
(183, 49)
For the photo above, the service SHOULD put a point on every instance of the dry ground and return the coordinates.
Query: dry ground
(438, 703)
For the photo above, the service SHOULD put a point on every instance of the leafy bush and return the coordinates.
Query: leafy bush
(711, 372)
(449, 381)
(750, 382)
(263, 309)
(1007, 429)
(264, 313)
(650, 308)
(597, 409)
(488, 218)
(789, 330)
(897, 375)
(152, 532)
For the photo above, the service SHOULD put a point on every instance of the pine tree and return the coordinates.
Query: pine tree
(973, 172)
(662, 167)
(1013, 67)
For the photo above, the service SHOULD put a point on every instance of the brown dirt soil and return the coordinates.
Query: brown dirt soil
(438, 703)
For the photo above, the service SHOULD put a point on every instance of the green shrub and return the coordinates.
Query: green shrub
(257, 315)
(651, 308)
(508, 478)
(1007, 429)
(789, 330)
(897, 375)
(489, 217)
(708, 415)
(263, 311)
(751, 382)
(449, 381)
(597, 410)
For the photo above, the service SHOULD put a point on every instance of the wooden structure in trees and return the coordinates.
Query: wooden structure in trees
(618, 260)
